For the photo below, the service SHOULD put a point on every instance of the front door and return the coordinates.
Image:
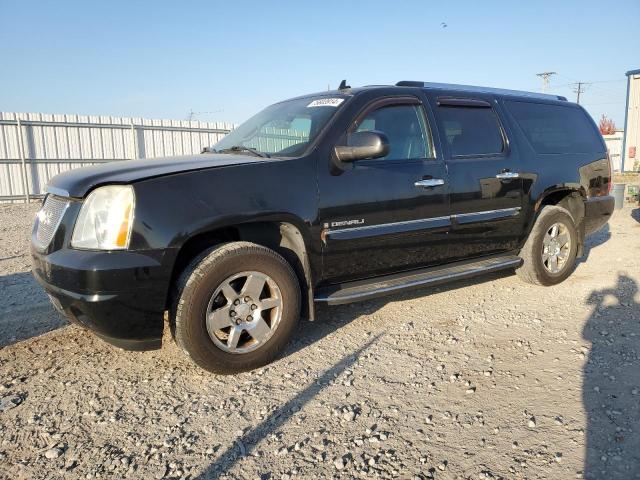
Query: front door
(485, 183)
(388, 214)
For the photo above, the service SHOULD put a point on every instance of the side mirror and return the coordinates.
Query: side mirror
(361, 145)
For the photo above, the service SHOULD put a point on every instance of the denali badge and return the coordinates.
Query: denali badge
(346, 223)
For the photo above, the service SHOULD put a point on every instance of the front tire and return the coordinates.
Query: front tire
(549, 254)
(236, 307)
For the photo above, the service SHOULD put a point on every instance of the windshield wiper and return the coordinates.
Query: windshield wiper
(242, 148)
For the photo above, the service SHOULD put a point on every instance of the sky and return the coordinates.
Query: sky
(224, 61)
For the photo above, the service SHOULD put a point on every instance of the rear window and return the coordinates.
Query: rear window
(556, 128)
(470, 131)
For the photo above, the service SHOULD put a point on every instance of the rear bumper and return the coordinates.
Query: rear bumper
(597, 211)
(120, 296)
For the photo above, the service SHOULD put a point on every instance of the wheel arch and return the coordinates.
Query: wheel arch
(282, 235)
(572, 200)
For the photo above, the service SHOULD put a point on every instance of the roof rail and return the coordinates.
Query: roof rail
(475, 89)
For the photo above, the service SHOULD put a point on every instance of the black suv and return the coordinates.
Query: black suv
(327, 198)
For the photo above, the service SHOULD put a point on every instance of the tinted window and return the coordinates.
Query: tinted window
(405, 126)
(556, 128)
(471, 130)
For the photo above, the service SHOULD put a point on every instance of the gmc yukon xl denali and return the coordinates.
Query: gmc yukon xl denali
(328, 198)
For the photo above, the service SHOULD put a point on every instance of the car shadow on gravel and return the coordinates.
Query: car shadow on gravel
(25, 310)
(245, 444)
(635, 214)
(611, 384)
(594, 240)
(332, 318)
(329, 320)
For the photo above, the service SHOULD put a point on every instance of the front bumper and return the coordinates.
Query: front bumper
(597, 211)
(121, 296)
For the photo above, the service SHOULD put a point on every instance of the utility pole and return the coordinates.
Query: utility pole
(191, 114)
(545, 79)
(579, 89)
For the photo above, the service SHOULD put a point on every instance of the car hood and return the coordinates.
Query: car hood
(76, 183)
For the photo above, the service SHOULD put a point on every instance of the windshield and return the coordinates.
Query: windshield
(285, 129)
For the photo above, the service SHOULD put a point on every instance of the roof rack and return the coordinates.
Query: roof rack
(475, 89)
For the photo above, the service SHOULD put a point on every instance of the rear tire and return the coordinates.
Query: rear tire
(236, 307)
(549, 254)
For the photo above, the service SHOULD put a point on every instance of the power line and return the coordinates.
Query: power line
(607, 91)
(561, 85)
(191, 114)
(605, 103)
(609, 81)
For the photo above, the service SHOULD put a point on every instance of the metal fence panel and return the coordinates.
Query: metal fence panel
(35, 147)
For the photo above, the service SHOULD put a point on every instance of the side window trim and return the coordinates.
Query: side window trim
(397, 101)
(468, 102)
(462, 102)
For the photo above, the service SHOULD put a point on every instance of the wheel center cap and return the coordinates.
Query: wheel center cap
(243, 310)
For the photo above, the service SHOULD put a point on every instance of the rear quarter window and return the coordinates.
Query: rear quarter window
(556, 128)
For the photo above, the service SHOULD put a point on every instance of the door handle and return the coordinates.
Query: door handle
(507, 175)
(429, 182)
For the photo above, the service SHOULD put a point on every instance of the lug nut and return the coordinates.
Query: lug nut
(232, 313)
(247, 299)
(237, 302)
(249, 318)
(254, 306)
(238, 321)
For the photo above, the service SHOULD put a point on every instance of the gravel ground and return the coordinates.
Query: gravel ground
(481, 379)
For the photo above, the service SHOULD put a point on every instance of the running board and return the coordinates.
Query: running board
(379, 286)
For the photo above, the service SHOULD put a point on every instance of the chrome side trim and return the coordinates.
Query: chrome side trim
(486, 215)
(387, 228)
(411, 225)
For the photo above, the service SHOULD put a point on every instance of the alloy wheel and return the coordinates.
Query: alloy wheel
(244, 312)
(556, 248)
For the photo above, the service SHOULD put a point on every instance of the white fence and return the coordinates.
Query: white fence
(34, 147)
(273, 139)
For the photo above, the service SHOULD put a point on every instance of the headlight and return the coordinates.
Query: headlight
(105, 219)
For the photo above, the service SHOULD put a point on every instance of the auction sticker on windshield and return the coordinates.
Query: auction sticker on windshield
(326, 102)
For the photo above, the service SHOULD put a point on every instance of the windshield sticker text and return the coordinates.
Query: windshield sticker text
(326, 102)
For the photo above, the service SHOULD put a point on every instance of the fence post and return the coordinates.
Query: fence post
(134, 147)
(23, 161)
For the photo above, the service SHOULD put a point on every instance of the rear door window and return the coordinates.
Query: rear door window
(556, 128)
(471, 131)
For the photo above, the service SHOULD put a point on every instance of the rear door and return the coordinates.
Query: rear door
(388, 214)
(484, 178)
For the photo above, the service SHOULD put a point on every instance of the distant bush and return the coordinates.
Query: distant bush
(607, 126)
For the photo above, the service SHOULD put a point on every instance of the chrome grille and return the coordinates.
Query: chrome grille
(48, 220)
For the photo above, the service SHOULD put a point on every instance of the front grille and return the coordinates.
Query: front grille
(48, 220)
